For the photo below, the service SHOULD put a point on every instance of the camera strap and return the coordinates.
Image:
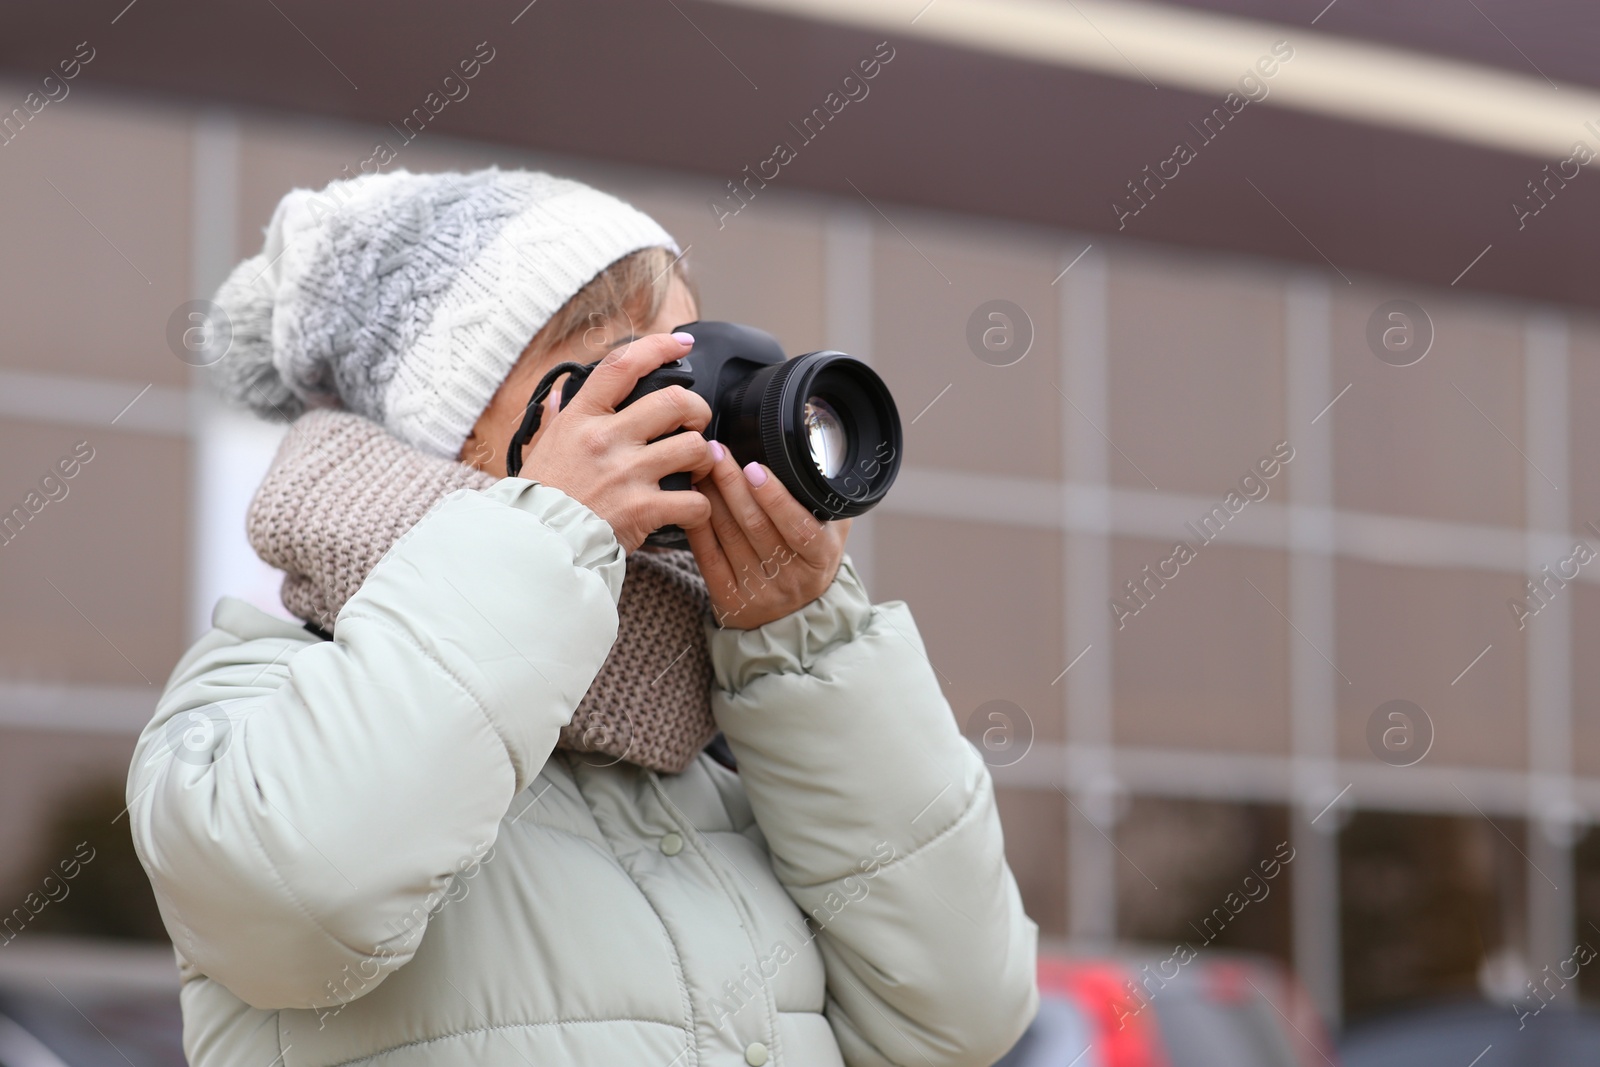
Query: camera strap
(531, 416)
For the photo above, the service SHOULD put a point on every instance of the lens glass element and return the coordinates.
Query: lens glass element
(826, 437)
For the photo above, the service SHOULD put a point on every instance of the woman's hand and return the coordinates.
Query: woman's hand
(762, 553)
(609, 461)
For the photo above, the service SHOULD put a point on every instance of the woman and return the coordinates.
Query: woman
(463, 815)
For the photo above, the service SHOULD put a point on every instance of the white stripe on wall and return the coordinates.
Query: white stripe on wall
(1160, 516)
(232, 447)
(214, 209)
(1312, 607)
(1189, 773)
(1551, 903)
(1178, 46)
(1086, 571)
(77, 708)
(1075, 505)
(94, 403)
(847, 295)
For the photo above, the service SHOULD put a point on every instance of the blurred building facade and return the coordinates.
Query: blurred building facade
(1163, 725)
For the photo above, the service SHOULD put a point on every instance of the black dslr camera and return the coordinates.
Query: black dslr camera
(824, 423)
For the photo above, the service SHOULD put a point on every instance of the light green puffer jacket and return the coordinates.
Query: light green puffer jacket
(367, 850)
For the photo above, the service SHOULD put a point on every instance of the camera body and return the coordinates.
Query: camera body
(823, 422)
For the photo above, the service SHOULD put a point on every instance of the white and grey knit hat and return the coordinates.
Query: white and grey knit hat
(407, 298)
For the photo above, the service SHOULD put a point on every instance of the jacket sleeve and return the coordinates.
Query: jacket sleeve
(881, 822)
(270, 794)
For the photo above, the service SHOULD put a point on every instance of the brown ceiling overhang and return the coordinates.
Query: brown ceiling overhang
(710, 89)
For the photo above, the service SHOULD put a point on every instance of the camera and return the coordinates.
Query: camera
(823, 422)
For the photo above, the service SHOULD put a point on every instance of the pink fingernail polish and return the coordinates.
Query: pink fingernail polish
(755, 473)
(717, 451)
(683, 338)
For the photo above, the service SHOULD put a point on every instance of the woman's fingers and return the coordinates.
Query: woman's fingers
(772, 519)
(661, 412)
(758, 528)
(741, 555)
(800, 530)
(709, 552)
(610, 383)
(749, 587)
(684, 508)
(686, 452)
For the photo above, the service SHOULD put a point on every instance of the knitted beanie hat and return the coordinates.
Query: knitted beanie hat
(407, 298)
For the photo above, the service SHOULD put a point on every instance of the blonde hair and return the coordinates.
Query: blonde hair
(633, 288)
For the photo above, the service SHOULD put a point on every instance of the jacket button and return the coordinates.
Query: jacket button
(672, 844)
(755, 1054)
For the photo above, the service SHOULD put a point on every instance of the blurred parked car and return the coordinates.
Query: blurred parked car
(1462, 1032)
(80, 1002)
(92, 1031)
(1219, 1010)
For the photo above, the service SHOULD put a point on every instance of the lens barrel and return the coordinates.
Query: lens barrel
(825, 424)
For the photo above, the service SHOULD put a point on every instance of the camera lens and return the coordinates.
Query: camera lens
(826, 426)
(826, 437)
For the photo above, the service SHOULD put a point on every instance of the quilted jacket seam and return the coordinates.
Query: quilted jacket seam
(966, 815)
(678, 976)
(477, 701)
(735, 898)
(454, 1034)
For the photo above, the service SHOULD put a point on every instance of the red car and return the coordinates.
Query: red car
(1143, 1009)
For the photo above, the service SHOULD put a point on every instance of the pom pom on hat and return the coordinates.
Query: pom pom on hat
(407, 298)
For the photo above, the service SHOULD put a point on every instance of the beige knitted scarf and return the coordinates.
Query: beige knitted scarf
(341, 490)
